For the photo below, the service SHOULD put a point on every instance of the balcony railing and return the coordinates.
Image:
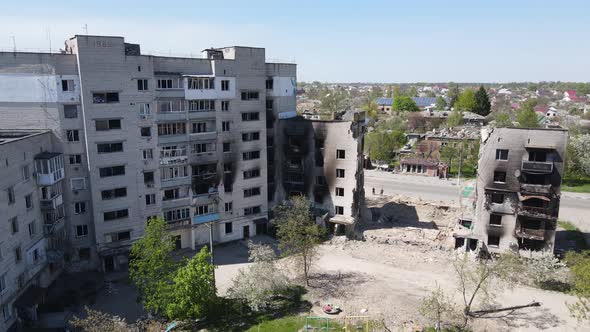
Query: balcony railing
(52, 203)
(536, 211)
(528, 233)
(178, 224)
(206, 218)
(540, 167)
(171, 157)
(536, 188)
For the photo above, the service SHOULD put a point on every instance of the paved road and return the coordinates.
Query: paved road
(574, 207)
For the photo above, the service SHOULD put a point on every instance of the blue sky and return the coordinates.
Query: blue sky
(338, 41)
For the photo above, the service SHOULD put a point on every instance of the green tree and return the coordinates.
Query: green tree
(193, 292)
(455, 119)
(382, 144)
(404, 104)
(579, 147)
(371, 107)
(298, 234)
(151, 267)
(453, 93)
(503, 120)
(411, 92)
(482, 102)
(527, 118)
(466, 101)
(334, 101)
(439, 308)
(441, 103)
(530, 104)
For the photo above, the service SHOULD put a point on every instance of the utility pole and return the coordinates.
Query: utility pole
(211, 249)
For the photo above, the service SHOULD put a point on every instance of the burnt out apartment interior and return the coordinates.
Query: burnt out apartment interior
(517, 190)
(321, 159)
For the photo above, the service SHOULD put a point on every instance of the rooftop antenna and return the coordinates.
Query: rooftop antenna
(85, 28)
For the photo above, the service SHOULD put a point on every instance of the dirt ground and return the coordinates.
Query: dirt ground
(406, 252)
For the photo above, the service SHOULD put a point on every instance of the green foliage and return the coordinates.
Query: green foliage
(466, 101)
(298, 234)
(527, 118)
(580, 266)
(333, 101)
(97, 321)
(462, 157)
(455, 119)
(382, 144)
(482, 102)
(151, 267)
(193, 291)
(438, 308)
(530, 104)
(453, 94)
(404, 104)
(578, 148)
(441, 103)
(263, 280)
(371, 107)
(503, 120)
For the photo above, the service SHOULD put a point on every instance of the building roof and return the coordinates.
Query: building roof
(46, 155)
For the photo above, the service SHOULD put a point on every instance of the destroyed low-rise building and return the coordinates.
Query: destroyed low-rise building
(517, 192)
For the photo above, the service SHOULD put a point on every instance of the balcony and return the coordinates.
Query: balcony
(203, 198)
(529, 233)
(537, 212)
(537, 167)
(52, 203)
(208, 135)
(205, 218)
(49, 168)
(536, 188)
(53, 225)
(173, 157)
(170, 225)
(175, 202)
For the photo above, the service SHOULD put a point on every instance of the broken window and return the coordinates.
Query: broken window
(252, 173)
(339, 210)
(101, 125)
(251, 116)
(225, 126)
(105, 97)
(538, 155)
(226, 147)
(111, 171)
(169, 129)
(228, 228)
(252, 210)
(249, 95)
(146, 131)
(340, 173)
(250, 155)
(67, 85)
(113, 193)
(497, 198)
(459, 242)
(73, 135)
(252, 136)
(500, 176)
(70, 111)
(225, 105)
(201, 83)
(117, 214)
(142, 85)
(224, 85)
(201, 105)
(249, 192)
(340, 154)
(493, 241)
(269, 83)
(339, 191)
(501, 154)
(495, 219)
(148, 177)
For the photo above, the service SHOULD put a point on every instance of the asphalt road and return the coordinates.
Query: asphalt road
(574, 207)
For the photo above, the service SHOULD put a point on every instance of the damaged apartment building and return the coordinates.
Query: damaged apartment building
(321, 159)
(138, 136)
(517, 193)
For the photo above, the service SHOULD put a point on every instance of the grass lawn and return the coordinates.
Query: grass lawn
(288, 324)
(585, 188)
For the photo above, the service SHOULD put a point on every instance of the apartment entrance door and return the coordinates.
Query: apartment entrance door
(246, 232)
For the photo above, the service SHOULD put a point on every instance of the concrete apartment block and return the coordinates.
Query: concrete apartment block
(323, 160)
(33, 230)
(144, 136)
(517, 191)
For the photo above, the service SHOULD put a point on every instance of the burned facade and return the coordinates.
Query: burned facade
(517, 192)
(323, 161)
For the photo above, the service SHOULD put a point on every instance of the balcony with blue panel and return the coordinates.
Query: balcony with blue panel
(206, 218)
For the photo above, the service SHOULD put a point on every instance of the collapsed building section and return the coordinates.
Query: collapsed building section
(517, 192)
(323, 161)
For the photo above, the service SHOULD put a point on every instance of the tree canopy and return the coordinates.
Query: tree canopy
(527, 118)
(453, 93)
(466, 101)
(455, 119)
(333, 101)
(404, 104)
(441, 103)
(482, 102)
(503, 120)
(297, 233)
